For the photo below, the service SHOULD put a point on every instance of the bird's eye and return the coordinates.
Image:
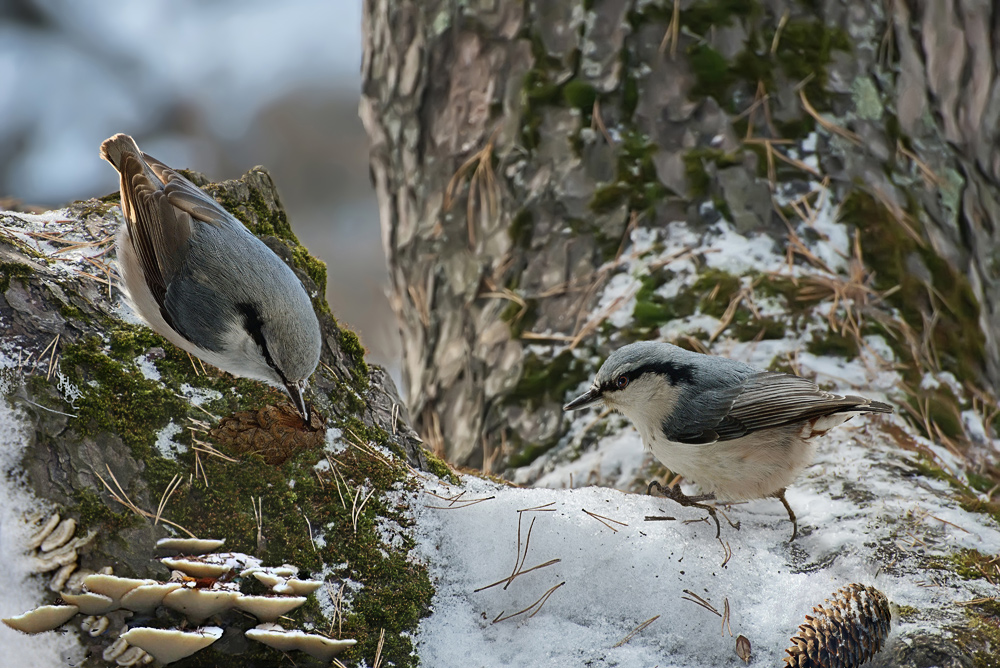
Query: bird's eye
(622, 382)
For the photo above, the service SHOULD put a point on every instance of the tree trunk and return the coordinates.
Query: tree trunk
(516, 144)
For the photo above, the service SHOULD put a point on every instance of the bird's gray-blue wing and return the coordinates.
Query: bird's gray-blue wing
(776, 399)
(767, 400)
(698, 415)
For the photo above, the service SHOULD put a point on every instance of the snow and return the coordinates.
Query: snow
(620, 575)
(146, 366)
(738, 254)
(22, 591)
(615, 463)
(199, 395)
(165, 443)
(863, 514)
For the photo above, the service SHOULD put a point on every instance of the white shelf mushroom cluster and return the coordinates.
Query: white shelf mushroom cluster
(54, 547)
(202, 585)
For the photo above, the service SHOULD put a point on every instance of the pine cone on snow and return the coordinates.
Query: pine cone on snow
(845, 633)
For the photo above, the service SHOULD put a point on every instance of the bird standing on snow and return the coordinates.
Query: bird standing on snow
(739, 432)
(202, 280)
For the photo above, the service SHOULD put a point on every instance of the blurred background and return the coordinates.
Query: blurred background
(217, 86)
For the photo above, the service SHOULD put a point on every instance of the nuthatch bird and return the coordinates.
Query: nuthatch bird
(737, 431)
(202, 280)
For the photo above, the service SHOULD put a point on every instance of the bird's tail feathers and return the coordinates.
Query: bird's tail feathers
(113, 148)
(869, 406)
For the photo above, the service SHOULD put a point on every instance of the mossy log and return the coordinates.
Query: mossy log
(115, 418)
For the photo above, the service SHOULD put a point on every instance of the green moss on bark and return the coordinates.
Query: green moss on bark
(10, 270)
(956, 336)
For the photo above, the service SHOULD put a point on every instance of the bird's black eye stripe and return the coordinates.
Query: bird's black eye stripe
(674, 373)
(255, 328)
(621, 381)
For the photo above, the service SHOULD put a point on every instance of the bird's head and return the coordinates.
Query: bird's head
(641, 380)
(284, 348)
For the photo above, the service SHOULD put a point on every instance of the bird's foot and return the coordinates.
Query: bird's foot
(780, 495)
(674, 493)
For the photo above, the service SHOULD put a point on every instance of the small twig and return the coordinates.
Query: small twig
(728, 551)
(830, 126)
(121, 497)
(46, 408)
(633, 220)
(309, 528)
(465, 504)
(591, 325)
(519, 573)
(209, 449)
(337, 600)
(198, 466)
(777, 32)
(519, 558)
(602, 518)
(165, 497)
(483, 187)
(544, 508)
(378, 651)
(540, 602)
(337, 474)
(258, 516)
(977, 601)
(672, 36)
(357, 509)
(52, 358)
(597, 120)
(933, 517)
(457, 501)
(634, 632)
(700, 601)
(44, 350)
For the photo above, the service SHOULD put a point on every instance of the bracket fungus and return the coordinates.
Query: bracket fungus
(317, 646)
(134, 656)
(95, 626)
(202, 586)
(45, 618)
(169, 645)
(297, 587)
(189, 545)
(200, 604)
(146, 598)
(196, 568)
(59, 536)
(287, 585)
(269, 608)
(43, 532)
(283, 571)
(112, 586)
(54, 546)
(90, 603)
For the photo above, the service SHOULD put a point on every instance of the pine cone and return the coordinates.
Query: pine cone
(844, 634)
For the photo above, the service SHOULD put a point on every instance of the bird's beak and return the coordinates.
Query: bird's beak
(588, 398)
(294, 390)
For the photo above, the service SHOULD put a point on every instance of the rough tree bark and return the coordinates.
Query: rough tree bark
(553, 124)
